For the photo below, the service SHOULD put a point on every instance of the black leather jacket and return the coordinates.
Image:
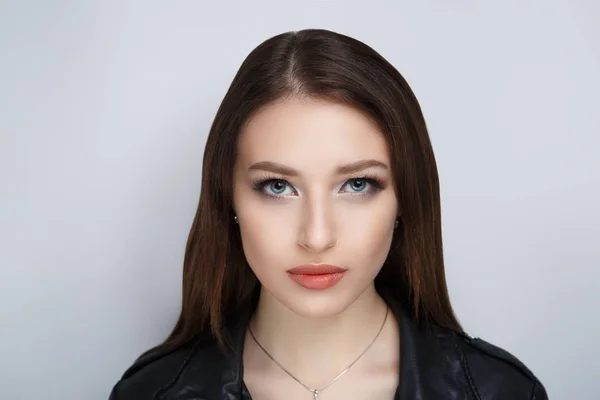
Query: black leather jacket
(435, 364)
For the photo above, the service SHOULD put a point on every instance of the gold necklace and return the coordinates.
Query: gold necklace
(316, 392)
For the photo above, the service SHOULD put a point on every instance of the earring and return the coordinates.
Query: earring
(396, 223)
(235, 219)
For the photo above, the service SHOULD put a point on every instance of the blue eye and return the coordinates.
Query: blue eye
(277, 187)
(358, 185)
(362, 186)
(273, 188)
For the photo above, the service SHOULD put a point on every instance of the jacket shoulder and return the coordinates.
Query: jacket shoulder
(154, 372)
(496, 374)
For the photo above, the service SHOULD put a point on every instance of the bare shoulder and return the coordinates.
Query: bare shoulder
(497, 374)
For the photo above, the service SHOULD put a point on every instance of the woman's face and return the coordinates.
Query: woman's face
(313, 185)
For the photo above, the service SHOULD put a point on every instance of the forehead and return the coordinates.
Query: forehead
(307, 132)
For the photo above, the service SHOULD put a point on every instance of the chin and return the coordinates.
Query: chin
(317, 308)
(318, 304)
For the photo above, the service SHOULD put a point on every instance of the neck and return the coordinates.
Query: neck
(301, 343)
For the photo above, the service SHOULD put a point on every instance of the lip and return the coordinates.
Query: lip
(316, 276)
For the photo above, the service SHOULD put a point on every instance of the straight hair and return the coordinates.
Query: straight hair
(317, 64)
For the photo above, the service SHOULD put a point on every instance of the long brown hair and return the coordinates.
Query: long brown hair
(217, 280)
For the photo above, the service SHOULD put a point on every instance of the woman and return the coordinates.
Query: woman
(314, 266)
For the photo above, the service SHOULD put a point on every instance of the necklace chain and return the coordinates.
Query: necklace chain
(316, 392)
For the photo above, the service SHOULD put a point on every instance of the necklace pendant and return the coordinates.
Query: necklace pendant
(316, 394)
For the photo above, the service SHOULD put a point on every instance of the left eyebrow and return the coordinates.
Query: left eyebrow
(359, 166)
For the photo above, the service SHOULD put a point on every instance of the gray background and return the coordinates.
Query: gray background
(104, 111)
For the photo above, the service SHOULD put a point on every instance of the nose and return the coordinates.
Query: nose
(317, 230)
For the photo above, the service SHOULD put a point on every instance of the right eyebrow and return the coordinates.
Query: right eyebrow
(274, 167)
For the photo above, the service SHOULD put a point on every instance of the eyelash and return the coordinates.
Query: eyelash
(376, 184)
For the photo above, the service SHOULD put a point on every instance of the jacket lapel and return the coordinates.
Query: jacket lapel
(430, 364)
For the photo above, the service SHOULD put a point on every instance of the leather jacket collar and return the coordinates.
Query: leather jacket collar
(430, 368)
(435, 364)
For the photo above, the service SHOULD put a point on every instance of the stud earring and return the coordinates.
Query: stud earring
(235, 219)
(396, 223)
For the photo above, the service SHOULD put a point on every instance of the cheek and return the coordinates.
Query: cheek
(369, 242)
(255, 238)
(264, 242)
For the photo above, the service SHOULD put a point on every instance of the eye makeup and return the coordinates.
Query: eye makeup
(265, 185)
